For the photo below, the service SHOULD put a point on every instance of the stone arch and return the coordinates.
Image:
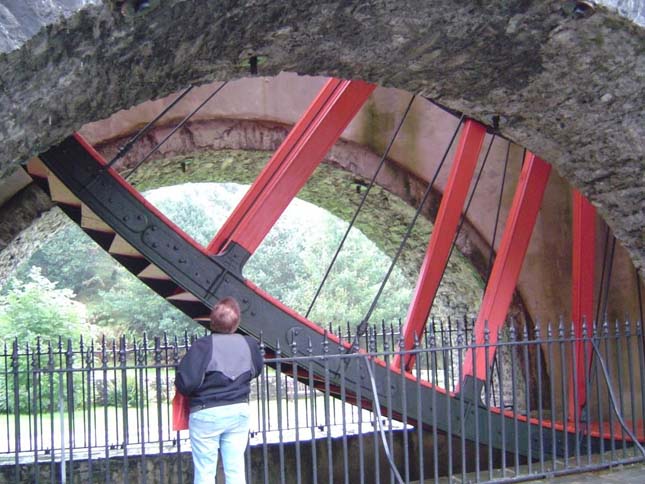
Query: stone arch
(526, 63)
(567, 88)
(241, 120)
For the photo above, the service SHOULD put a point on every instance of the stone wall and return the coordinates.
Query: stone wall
(568, 87)
(26, 221)
(175, 467)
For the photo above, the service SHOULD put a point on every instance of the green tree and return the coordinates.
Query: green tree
(131, 307)
(37, 307)
(199, 209)
(278, 266)
(354, 280)
(89, 271)
(31, 309)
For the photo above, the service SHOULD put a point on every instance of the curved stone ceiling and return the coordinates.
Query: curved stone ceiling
(566, 86)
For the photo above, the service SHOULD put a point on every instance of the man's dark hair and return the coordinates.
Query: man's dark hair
(225, 316)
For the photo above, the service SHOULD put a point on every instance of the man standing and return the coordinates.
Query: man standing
(216, 375)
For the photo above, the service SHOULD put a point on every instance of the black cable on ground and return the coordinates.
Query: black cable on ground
(379, 423)
(612, 397)
(360, 205)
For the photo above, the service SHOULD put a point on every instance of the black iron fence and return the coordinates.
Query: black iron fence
(100, 411)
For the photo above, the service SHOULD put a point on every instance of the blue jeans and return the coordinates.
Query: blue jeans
(224, 428)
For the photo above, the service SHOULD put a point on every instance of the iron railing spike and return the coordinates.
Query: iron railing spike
(512, 332)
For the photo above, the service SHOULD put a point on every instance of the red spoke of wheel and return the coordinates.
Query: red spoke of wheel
(292, 164)
(508, 263)
(583, 259)
(443, 234)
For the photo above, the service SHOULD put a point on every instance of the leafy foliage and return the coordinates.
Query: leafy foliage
(292, 268)
(85, 274)
(37, 307)
(130, 307)
(34, 309)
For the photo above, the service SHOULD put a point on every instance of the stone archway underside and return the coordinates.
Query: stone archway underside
(567, 88)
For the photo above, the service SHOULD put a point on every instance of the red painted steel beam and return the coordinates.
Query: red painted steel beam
(292, 164)
(508, 262)
(582, 289)
(443, 234)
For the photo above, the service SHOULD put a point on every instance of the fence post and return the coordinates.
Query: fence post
(16, 403)
(62, 426)
(71, 424)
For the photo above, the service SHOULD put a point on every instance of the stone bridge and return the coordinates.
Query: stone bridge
(562, 79)
(566, 85)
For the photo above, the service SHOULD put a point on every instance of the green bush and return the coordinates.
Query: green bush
(35, 308)
(109, 390)
(115, 391)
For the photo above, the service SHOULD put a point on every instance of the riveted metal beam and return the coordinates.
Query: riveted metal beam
(210, 278)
